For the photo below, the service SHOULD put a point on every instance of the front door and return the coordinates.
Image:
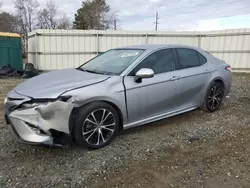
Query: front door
(156, 95)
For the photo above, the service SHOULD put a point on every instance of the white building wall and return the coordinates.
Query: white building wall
(58, 49)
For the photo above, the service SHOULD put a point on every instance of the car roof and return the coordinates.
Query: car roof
(158, 46)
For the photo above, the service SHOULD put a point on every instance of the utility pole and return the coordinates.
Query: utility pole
(156, 21)
(114, 24)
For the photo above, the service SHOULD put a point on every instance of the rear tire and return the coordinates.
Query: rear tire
(96, 125)
(213, 97)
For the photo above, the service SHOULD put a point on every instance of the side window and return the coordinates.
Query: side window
(160, 62)
(202, 59)
(188, 58)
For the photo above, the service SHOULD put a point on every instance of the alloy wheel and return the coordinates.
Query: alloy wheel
(98, 127)
(215, 97)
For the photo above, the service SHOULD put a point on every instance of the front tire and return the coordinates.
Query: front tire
(213, 97)
(96, 125)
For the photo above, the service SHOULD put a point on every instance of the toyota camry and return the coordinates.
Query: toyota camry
(119, 89)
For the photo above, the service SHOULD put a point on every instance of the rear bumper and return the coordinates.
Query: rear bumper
(228, 85)
(227, 90)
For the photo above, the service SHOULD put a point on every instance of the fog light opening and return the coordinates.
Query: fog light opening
(36, 129)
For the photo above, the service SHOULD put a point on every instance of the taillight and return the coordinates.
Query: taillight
(228, 68)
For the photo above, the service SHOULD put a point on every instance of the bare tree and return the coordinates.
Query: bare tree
(64, 22)
(110, 20)
(47, 16)
(26, 12)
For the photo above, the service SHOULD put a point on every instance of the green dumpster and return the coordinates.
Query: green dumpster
(11, 50)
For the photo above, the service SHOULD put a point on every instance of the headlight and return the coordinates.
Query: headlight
(36, 103)
(32, 104)
(29, 105)
(64, 98)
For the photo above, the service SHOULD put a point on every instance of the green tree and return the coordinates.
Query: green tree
(92, 15)
(8, 23)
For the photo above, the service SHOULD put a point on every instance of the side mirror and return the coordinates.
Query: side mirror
(144, 73)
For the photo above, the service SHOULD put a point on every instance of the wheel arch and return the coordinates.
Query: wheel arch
(217, 79)
(210, 84)
(76, 109)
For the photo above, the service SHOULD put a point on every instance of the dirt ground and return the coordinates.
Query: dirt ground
(196, 149)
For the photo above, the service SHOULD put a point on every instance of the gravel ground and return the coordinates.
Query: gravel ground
(196, 149)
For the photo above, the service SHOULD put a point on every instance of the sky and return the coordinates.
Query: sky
(175, 15)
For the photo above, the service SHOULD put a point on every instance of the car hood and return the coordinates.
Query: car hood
(54, 83)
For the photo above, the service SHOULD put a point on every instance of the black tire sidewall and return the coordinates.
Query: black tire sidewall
(207, 107)
(82, 114)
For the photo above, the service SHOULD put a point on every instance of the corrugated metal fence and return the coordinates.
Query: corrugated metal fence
(58, 49)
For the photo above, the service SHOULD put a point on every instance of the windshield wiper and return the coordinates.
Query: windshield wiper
(96, 72)
(91, 71)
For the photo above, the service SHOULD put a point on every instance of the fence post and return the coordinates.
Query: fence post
(97, 43)
(199, 40)
(36, 50)
(146, 38)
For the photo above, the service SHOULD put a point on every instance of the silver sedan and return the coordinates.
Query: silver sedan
(117, 90)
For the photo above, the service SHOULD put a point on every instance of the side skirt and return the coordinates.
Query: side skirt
(158, 117)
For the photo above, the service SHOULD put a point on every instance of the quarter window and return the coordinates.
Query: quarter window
(160, 62)
(188, 58)
(202, 59)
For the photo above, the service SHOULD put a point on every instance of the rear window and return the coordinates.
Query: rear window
(188, 58)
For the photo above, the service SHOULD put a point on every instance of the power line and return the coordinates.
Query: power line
(156, 21)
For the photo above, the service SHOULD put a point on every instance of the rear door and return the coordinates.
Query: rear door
(156, 95)
(193, 72)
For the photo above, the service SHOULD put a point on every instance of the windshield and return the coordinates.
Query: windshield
(112, 62)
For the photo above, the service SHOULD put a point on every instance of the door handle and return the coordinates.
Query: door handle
(175, 78)
(207, 71)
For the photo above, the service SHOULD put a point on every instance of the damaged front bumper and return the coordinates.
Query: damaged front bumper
(25, 134)
(38, 123)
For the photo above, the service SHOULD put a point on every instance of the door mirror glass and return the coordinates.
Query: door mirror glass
(144, 73)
